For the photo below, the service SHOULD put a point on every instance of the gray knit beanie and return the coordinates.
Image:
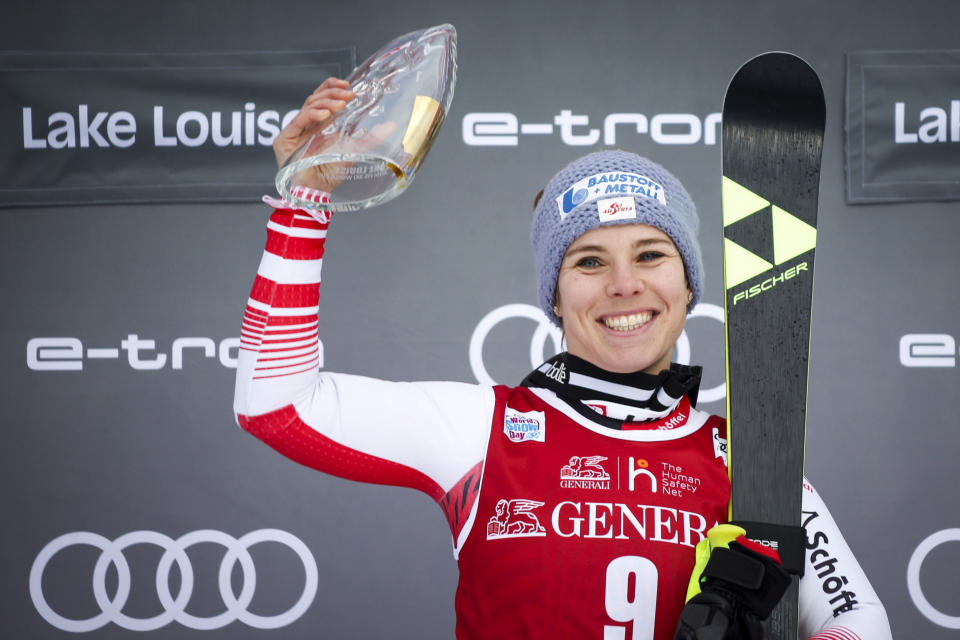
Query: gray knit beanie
(604, 188)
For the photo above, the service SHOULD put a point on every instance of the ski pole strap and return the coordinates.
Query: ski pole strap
(788, 541)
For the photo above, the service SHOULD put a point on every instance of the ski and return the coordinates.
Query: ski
(772, 137)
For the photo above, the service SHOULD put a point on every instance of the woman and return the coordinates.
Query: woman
(575, 500)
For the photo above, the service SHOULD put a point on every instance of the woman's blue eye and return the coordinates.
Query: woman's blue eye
(589, 262)
(647, 256)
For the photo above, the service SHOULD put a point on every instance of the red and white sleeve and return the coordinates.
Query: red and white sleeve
(429, 436)
(837, 602)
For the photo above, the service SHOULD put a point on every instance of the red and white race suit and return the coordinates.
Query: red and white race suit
(562, 527)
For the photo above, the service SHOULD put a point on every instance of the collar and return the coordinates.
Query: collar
(616, 398)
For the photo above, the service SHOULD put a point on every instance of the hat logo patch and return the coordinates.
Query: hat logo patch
(606, 184)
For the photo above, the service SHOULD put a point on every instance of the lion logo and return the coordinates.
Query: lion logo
(515, 519)
(584, 468)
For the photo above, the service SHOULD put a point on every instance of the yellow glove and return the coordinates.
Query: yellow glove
(719, 536)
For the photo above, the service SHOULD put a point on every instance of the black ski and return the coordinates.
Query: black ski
(773, 121)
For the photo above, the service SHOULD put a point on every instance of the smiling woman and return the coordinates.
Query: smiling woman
(576, 498)
(622, 297)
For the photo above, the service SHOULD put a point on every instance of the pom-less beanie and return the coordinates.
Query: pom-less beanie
(607, 188)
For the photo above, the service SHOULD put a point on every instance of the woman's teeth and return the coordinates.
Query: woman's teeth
(628, 323)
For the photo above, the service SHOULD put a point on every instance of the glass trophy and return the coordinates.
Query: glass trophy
(370, 151)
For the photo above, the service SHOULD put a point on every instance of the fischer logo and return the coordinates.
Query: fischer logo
(515, 519)
(920, 601)
(930, 126)
(825, 566)
(142, 354)
(770, 283)
(545, 329)
(584, 472)
(81, 128)
(503, 129)
(928, 350)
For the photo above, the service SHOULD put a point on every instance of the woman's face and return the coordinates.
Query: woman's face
(622, 294)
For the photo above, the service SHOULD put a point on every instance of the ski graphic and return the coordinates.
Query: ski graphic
(773, 121)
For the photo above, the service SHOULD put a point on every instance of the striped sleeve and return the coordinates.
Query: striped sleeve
(430, 436)
(279, 326)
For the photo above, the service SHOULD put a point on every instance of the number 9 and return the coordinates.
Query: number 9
(641, 610)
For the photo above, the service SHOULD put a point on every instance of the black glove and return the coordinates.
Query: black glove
(739, 587)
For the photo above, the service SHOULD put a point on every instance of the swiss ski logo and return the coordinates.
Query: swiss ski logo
(584, 472)
(616, 209)
(515, 519)
(522, 426)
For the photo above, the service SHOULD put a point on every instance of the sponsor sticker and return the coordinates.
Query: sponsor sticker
(615, 184)
(616, 209)
(719, 446)
(522, 427)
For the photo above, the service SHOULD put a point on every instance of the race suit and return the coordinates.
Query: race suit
(562, 526)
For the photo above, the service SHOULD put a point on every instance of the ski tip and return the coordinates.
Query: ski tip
(793, 70)
(777, 58)
(776, 77)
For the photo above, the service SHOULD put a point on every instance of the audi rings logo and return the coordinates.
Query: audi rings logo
(174, 551)
(545, 329)
(913, 578)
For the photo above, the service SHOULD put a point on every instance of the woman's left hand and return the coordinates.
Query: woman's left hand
(329, 98)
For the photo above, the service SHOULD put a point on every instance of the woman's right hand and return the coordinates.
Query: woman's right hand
(329, 98)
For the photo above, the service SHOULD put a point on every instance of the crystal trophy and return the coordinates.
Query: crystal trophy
(370, 151)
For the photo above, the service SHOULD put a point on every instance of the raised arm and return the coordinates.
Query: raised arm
(429, 436)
